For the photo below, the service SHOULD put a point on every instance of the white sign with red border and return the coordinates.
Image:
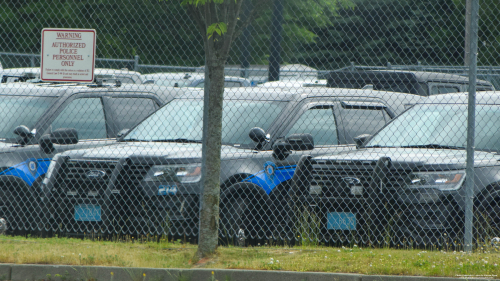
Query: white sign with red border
(68, 55)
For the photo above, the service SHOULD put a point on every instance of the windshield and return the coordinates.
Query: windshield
(182, 120)
(21, 110)
(441, 126)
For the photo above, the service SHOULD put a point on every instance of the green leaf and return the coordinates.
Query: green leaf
(218, 27)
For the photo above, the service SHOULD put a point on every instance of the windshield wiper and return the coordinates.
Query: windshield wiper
(375, 146)
(433, 145)
(132, 140)
(179, 140)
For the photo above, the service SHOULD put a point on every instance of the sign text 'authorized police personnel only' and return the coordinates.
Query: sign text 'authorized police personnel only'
(68, 55)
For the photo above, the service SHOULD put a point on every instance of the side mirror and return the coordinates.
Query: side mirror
(46, 144)
(301, 141)
(257, 135)
(362, 139)
(64, 136)
(23, 131)
(25, 134)
(121, 133)
(59, 136)
(281, 150)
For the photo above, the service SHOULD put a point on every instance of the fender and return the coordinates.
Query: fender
(271, 176)
(488, 196)
(28, 171)
(13, 182)
(239, 187)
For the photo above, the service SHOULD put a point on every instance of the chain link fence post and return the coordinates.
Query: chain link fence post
(136, 63)
(471, 118)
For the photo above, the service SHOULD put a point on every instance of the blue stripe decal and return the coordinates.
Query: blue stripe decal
(23, 171)
(268, 181)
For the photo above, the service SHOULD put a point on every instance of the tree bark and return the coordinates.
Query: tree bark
(209, 212)
(216, 52)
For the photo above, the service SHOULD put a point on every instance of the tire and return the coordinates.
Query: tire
(17, 207)
(489, 218)
(244, 206)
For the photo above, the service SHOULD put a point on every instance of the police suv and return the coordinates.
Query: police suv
(149, 181)
(406, 184)
(42, 119)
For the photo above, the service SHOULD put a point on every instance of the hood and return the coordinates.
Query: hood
(167, 150)
(416, 157)
(7, 146)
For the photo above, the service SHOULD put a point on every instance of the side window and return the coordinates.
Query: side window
(358, 121)
(435, 90)
(318, 121)
(86, 115)
(483, 89)
(125, 80)
(232, 84)
(128, 112)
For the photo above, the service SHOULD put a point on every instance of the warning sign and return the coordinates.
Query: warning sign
(68, 55)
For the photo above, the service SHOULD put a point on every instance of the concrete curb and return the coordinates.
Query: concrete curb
(29, 272)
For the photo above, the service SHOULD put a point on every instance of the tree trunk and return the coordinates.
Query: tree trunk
(209, 212)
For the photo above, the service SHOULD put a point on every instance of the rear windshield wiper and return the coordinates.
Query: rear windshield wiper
(434, 146)
(178, 140)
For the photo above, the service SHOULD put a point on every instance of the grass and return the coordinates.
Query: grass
(168, 254)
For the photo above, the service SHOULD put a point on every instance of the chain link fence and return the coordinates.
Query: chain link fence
(343, 122)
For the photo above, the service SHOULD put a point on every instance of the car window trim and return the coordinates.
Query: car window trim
(301, 107)
(113, 128)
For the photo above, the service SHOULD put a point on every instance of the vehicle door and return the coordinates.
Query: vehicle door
(83, 112)
(314, 116)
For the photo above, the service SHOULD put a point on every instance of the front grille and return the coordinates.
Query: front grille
(336, 179)
(131, 175)
(85, 178)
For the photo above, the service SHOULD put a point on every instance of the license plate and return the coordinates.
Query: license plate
(341, 221)
(88, 213)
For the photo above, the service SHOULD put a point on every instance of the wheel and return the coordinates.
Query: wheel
(244, 207)
(17, 207)
(283, 212)
(489, 219)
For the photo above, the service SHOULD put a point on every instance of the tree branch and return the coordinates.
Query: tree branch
(234, 9)
(199, 19)
(258, 7)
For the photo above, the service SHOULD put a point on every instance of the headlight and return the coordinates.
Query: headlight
(189, 173)
(450, 180)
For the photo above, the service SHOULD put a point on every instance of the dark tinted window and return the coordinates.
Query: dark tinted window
(435, 90)
(320, 123)
(232, 84)
(227, 84)
(362, 121)
(128, 112)
(125, 80)
(400, 87)
(484, 89)
(86, 116)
